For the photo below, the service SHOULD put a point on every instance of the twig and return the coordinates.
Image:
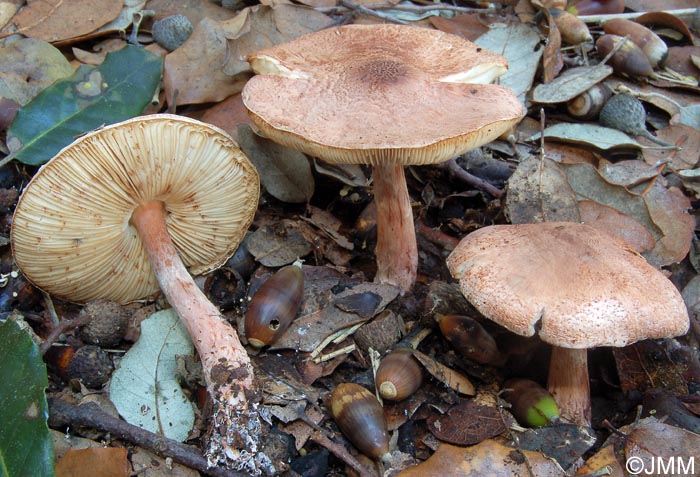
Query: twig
(63, 414)
(680, 13)
(368, 11)
(453, 168)
(341, 453)
(61, 328)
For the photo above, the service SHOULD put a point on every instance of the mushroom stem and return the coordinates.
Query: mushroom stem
(226, 365)
(397, 251)
(568, 383)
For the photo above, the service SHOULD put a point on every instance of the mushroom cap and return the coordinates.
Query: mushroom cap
(71, 232)
(366, 94)
(575, 286)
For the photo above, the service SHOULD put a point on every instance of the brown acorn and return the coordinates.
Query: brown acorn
(399, 375)
(361, 419)
(649, 42)
(588, 104)
(470, 339)
(274, 306)
(629, 59)
(573, 30)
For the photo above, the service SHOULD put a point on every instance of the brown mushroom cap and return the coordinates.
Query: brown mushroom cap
(380, 93)
(71, 234)
(575, 286)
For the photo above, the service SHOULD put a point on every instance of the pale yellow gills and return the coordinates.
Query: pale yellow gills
(128, 208)
(575, 287)
(71, 233)
(385, 95)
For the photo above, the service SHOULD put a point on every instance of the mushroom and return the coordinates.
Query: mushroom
(574, 286)
(384, 95)
(135, 205)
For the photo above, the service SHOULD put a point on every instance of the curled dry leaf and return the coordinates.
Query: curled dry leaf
(449, 377)
(552, 61)
(491, 457)
(277, 244)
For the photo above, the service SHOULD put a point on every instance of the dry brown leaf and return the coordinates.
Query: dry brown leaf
(668, 209)
(601, 461)
(57, 20)
(449, 377)
(467, 423)
(228, 115)
(627, 173)
(211, 65)
(552, 61)
(538, 191)
(310, 329)
(491, 457)
(469, 26)
(615, 223)
(652, 443)
(686, 137)
(646, 365)
(111, 462)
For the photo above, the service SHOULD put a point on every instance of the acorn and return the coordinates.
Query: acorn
(629, 59)
(625, 113)
(470, 339)
(171, 32)
(531, 404)
(588, 104)
(572, 29)
(274, 306)
(399, 375)
(361, 419)
(649, 42)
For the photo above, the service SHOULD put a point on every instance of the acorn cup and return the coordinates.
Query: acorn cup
(470, 339)
(360, 417)
(531, 404)
(274, 306)
(399, 375)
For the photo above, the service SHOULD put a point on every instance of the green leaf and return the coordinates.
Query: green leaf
(25, 444)
(145, 389)
(118, 89)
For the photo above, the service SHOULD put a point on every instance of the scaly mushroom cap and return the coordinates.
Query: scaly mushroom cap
(380, 93)
(575, 286)
(71, 234)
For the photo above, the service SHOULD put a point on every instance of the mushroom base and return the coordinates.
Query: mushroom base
(235, 428)
(568, 383)
(396, 251)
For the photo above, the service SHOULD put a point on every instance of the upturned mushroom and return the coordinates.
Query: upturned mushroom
(574, 286)
(384, 95)
(142, 204)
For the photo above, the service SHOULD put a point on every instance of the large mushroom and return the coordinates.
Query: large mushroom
(574, 286)
(384, 95)
(142, 204)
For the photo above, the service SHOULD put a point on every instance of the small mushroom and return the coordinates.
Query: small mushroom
(140, 204)
(574, 286)
(384, 95)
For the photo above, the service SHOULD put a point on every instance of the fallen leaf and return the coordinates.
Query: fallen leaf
(588, 134)
(570, 84)
(228, 115)
(519, 43)
(653, 444)
(614, 222)
(684, 136)
(548, 440)
(145, 387)
(668, 209)
(284, 173)
(646, 365)
(329, 224)
(539, 191)
(111, 462)
(469, 26)
(448, 376)
(491, 457)
(627, 173)
(552, 61)
(29, 66)
(276, 245)
(56, 20)
(603, 462)
(467, 423)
